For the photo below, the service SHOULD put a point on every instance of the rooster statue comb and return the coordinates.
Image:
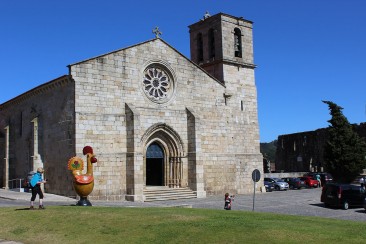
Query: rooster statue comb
(87, 149)
(83, 183)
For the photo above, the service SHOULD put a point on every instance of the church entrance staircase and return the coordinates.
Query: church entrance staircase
(164, 193)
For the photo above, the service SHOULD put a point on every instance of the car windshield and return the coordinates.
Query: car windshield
(277, 179)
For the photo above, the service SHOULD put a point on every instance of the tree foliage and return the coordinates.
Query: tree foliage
(345, 151)
(268, 149)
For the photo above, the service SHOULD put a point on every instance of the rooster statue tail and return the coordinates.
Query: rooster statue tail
(83, 183)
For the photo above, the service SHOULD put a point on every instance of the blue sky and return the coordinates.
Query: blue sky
(306, 51)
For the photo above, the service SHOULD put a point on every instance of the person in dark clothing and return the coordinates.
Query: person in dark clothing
(36, 182)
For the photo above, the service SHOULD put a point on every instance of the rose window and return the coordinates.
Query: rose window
(157, 84)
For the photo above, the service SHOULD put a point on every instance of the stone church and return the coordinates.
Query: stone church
(154, 118)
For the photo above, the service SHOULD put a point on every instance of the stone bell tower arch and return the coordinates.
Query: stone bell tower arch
(222, 45)
(222, 41)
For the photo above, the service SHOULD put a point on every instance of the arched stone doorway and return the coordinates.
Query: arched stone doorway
(164, 150)
(154, 165)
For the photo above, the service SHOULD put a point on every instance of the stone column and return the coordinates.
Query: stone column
(195, 163)
(6, 172)
(170, 172)
(184, 172)
(37, 161)
(134, 160)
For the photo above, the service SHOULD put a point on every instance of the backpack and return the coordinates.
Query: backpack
(28, 179)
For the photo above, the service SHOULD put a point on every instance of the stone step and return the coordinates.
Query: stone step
(166, 193)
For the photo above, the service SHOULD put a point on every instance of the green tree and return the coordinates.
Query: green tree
(345, 151)
(268, 149)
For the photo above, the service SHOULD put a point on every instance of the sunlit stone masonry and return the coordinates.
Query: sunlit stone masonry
(155, 118)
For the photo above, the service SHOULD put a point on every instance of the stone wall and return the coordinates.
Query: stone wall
(53, 106)
(304, 151)
(224, 135)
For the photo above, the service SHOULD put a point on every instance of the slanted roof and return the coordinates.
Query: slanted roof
(142, 43)
(37, 90)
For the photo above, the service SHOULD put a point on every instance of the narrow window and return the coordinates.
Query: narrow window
(237, 43)
(199, 48)
(211, 43)
(242, 105)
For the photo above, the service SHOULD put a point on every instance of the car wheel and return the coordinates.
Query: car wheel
(326, 205)
(277, 188)
(291, 187)
(345, 205)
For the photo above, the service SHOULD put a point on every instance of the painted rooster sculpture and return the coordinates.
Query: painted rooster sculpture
(83, 183)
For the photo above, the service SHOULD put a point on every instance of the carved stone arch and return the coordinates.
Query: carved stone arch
(237, 43)
(161, 143)
(166, 134)
(171, 144)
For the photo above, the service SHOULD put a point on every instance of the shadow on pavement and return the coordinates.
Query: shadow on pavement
(19, 209)
(361, 211)
(321, 205)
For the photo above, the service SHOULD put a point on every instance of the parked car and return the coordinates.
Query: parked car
(279, 184)
(294, 182)
(343, 195)
(269, 186)
(310, 181)
(324, 177)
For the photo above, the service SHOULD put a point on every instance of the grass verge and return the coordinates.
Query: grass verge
(71, 224)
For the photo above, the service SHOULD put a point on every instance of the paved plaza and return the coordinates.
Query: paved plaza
(305, 202)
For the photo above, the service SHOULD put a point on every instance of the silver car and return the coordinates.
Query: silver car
(280, 185)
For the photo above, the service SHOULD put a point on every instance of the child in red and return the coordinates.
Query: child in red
(228, 201)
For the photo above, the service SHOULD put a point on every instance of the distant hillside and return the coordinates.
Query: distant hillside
(268, 150)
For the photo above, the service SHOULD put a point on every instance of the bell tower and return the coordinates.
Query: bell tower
(223, 46)
(220, 41)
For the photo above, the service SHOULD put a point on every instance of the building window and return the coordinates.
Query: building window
(158, 83)
(211, 43)
(237, 43)
(199, 48)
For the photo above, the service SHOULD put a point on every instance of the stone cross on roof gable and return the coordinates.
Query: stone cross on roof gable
(157, 32)
(207, 15)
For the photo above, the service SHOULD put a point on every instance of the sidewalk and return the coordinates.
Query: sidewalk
(15, 195)
(23, 198)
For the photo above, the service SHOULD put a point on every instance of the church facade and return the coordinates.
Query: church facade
(153, 116)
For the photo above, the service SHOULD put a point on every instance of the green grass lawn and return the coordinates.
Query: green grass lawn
(71, 224)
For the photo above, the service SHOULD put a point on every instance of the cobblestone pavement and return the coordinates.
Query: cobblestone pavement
(305, 202)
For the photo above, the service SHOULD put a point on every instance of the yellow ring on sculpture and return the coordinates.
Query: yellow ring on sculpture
(75, 163)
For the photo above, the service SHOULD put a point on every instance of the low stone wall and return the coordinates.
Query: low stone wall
(283, 175)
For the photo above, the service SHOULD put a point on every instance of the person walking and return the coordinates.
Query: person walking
(318, 179)
(36, 182)
(362, 181)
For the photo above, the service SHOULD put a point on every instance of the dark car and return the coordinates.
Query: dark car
(342, 195)
(294, 182)
(324, 177)
(269, 186)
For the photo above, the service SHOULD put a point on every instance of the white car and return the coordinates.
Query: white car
(280, 185)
